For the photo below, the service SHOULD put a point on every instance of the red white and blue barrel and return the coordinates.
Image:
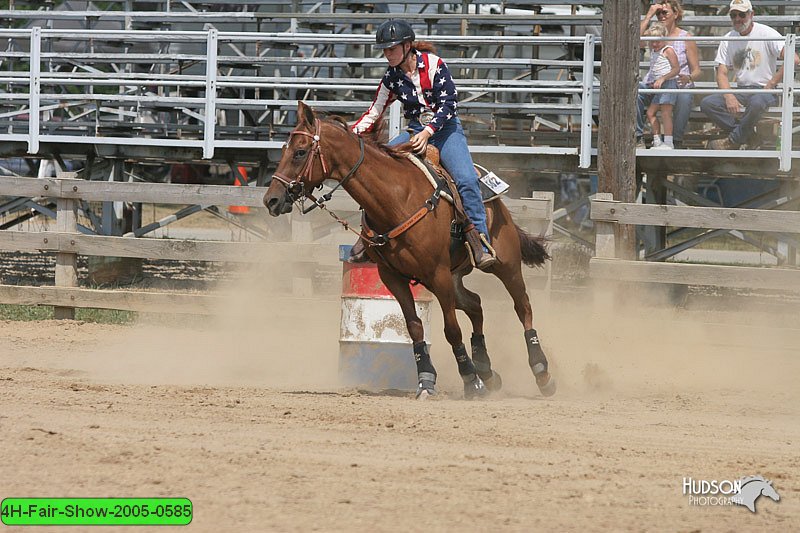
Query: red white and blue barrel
(375, 350)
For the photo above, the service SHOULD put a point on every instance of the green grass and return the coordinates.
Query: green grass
(28, 313)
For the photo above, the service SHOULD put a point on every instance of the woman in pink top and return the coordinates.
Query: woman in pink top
(670, 13)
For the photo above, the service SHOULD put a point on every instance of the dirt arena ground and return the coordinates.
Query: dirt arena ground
(242, 414)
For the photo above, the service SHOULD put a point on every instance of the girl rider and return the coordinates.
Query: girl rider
(422, 82)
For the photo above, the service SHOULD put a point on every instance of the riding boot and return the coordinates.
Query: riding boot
(358, 253)
(483, 259)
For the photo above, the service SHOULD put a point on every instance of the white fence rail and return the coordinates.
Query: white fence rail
(607, 214)
(534, 214)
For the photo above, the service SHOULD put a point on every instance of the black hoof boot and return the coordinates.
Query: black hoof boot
(483, 366)
(538, 364)
(474, 387)
(426, 386)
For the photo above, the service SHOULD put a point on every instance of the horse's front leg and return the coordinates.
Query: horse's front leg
(445, 291)
(426, 373)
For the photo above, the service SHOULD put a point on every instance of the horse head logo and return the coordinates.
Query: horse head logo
(752, 488)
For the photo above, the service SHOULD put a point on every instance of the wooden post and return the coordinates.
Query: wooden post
(616, 147)
(786, 249)
(655, 237)
(66, 262)
(605, 248)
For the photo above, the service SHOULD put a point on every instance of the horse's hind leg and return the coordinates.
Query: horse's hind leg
(515, 284)
(426, 373)
(470, 303)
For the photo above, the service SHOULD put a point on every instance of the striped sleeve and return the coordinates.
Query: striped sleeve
(383, 97)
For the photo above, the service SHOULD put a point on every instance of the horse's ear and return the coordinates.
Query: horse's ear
(304, 113)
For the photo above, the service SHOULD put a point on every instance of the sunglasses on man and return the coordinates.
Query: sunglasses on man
(737, 14)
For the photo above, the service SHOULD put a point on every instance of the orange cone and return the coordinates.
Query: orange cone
(239, 209)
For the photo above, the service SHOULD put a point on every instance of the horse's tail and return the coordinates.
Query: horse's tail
(534, 253)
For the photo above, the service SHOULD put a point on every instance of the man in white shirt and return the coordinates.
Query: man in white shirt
(754, 63)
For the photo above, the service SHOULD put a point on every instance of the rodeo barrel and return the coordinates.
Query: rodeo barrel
(375, 350)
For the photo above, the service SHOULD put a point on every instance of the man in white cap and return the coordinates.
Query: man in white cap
(754, 63)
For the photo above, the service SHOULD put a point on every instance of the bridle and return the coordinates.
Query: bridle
(296, 188)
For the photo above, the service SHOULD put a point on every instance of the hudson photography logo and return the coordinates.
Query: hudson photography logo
(744, 491)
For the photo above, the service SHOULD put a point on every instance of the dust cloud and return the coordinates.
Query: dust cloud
(261, 335)
(645, 345)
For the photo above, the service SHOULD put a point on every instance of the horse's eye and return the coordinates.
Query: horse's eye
(300, 153)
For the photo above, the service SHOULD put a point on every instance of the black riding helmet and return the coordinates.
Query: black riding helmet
(393, 32)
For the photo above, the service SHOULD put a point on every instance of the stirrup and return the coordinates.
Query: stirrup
(488, 246)
(477, 255)
(486, 262)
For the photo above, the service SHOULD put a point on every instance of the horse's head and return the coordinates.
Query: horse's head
(769, 491)
(302, 166)
(751, 488)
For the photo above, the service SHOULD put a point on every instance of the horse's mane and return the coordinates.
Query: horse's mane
(748, 479)
(377, 137)
(328, 117)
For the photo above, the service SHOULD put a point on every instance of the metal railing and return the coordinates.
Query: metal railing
(193, 88)
(195, 91)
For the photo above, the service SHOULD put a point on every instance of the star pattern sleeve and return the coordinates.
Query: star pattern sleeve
(383, 97)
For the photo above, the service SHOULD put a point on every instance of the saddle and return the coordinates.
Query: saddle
(461, 229)
(491, 186)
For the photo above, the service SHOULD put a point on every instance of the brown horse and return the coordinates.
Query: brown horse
(411, 240)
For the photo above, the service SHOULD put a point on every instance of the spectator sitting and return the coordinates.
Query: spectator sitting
(670, 13)
(754, 62)
(664, 68)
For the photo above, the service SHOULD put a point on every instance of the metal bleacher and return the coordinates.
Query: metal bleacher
(115, 81)
(136, 79)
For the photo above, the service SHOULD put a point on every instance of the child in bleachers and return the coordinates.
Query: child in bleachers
(664, 68)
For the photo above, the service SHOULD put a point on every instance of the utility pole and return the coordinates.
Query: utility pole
(616, 164)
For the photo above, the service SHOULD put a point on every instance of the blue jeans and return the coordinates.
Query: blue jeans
(680, 112)
(456, 160)
(742, 128)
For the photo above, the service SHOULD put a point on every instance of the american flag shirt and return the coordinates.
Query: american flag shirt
(430, 88)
